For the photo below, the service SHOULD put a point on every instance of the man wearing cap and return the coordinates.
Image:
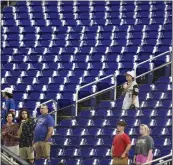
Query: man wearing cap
(7, 93)
(121, 145)
(131, 91)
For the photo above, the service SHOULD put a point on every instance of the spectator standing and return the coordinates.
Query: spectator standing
(131, 92)
(9, 133)
(7, 93)
(43, 133)
(121, 145)
(144, 146)
(25, 135)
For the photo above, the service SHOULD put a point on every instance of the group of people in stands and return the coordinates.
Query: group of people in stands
(26, 137)
(121, 146)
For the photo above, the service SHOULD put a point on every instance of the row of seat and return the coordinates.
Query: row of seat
(104, 7)
(80, 29)
(93, 16)
(91, 8)
(55, 22)
(86, 3)
(74, 142)
(99, 37)
(110, 121)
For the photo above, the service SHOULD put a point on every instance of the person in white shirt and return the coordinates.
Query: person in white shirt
(131, 91)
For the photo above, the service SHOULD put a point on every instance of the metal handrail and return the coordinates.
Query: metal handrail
(13, 155)
(150, 59)
(114, 86)
(166, 161)
(170, 155)
(56, 109)
(102, 91)
(94, 82)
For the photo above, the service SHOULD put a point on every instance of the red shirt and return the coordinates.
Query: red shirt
(120, 143)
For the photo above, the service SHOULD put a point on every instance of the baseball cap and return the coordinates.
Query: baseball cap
(131, 73)
(8, 90)
(122, 123)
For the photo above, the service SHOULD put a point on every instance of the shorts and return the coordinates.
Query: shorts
(120, 161)
(26, 153)
(14, 149)
(140, 159)
(42, 149)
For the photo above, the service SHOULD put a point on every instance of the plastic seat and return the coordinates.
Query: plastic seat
(108, 132)
(163, 142)
(93, 132)
(103, 152)
(80, 132)
(87, 142)
(106, 142)
(74, 142)
(87, 153)
(104, 113)
(64, 132)
(68, 123)
(91, 161)
(39, 161)
(85, 122)
(86, 114)
(74, 162)
(106, 161)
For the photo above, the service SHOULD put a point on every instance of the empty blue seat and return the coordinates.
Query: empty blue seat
(93, 132)
(64, 132)
(39, 161)
(68, 123)
(91, 161)
(106, 161)
(102, 152)
(108, 132)
(86, 114)
(74, 162)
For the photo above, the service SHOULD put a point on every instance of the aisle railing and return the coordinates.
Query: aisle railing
(161, 160)
(115, 81)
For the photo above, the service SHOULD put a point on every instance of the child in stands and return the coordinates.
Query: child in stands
(131, 91)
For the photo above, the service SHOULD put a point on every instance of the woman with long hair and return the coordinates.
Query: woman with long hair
(25, 135)
(144, 146)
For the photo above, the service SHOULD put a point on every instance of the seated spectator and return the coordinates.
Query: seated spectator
(9, 133)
